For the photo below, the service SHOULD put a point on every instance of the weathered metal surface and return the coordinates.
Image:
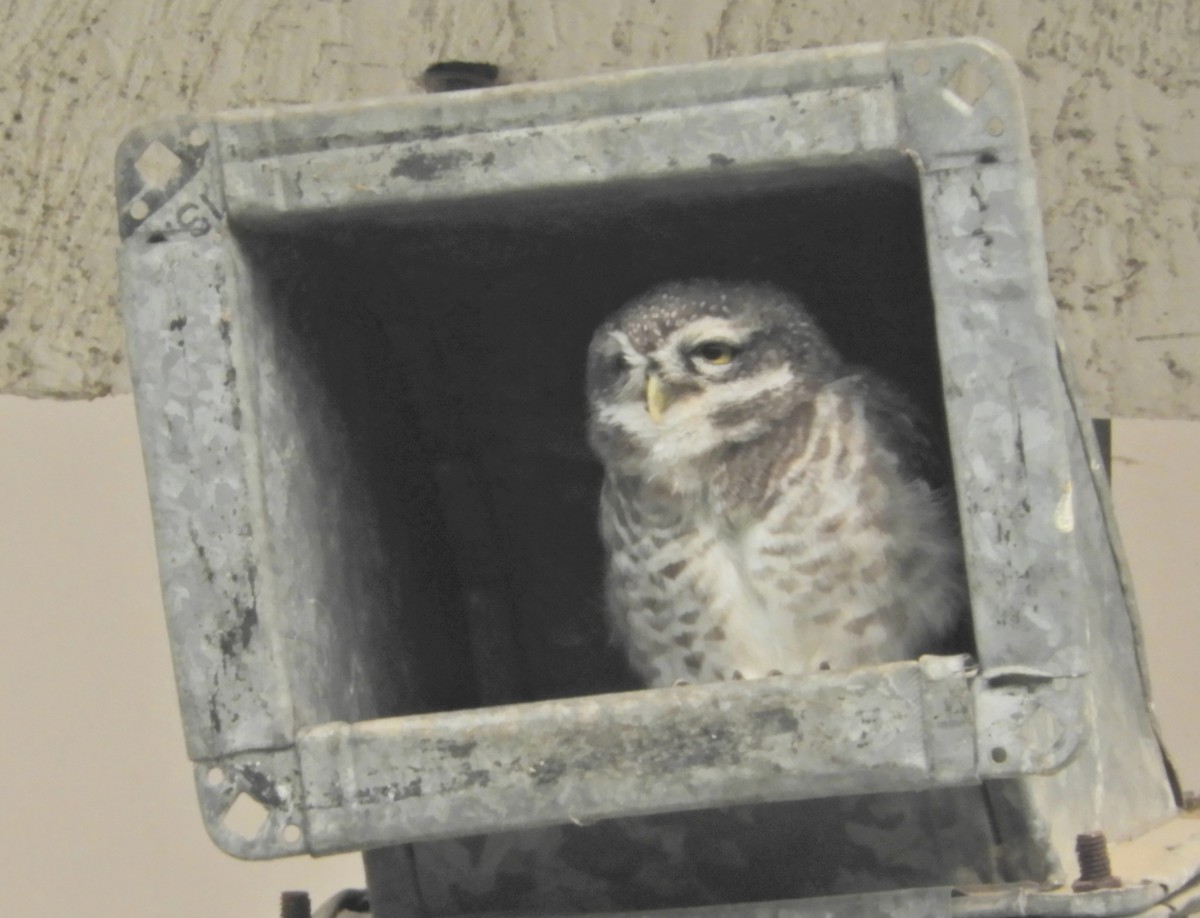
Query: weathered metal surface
(231, 677)
(271, 779)
(905, 726)
(912, 903)
(1035, 525)
(1159, 869)
(778, 851)
(584, 133)
(1160, 866)
(1116, 781)
(357, 373)
(1018, 901)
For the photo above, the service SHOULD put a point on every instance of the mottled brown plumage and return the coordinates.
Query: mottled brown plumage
(765, 505)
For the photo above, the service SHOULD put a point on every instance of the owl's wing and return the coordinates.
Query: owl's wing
(922, 453)
(902, 425)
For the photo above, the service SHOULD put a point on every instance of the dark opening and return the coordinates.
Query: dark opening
(433, 360)
(450, 344)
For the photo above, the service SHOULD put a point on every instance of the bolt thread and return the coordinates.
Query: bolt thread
(1092, 850)
(295, 905)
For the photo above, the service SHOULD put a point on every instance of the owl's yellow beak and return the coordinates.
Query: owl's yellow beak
(656, 397)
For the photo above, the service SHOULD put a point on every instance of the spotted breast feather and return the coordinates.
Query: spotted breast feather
(765, 505)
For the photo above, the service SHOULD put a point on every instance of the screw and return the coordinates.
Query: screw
(1095, 870)
(295, 905)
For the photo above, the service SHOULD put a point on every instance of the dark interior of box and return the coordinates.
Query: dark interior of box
(452, 343)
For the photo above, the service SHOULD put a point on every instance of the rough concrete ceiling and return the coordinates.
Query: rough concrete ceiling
(1112, 89)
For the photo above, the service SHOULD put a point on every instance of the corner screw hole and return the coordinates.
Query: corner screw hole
(922, 66)
(214, 777)
(246, 816)
(999, 755)
(995, 126)
(970, 83)
(291, 834)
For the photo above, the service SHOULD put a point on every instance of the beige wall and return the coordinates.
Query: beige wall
(1112, 89)
(97, 811)
(98, 816)
(1156, 488)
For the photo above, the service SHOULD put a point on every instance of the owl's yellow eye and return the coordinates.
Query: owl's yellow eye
(717, 353)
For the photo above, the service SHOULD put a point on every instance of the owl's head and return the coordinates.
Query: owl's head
(693, 366)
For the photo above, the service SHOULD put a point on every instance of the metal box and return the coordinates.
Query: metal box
(357, 337)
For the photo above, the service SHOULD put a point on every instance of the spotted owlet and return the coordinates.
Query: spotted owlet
(763, 505)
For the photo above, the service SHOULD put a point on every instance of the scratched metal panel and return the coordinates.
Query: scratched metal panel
(471, 165)
(183, 350)
(249, 418)
(1116, 780)
(1046, 576)
(362, 541)
(912, 903)
(576, 133)
(898, 727)
(1165, 859)
(1004, 400)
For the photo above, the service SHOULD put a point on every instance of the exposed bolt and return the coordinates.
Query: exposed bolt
(1095, 870)
(295, 905)
(451, 76)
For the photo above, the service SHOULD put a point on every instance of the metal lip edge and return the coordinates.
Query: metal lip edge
(935, 667)
(317, 791)
(249, 209)
(405, 118)
(409, 117)
(450, 130)
(363, 185)
(336, 757)
(241, 138)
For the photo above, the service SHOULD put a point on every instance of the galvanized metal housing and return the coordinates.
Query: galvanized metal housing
(357, 340)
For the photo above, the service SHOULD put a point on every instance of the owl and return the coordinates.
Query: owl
(765, 505)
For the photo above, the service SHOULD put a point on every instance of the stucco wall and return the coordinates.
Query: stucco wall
(1112, 88)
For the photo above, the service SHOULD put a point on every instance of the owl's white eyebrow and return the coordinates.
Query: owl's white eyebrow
(709, 328)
